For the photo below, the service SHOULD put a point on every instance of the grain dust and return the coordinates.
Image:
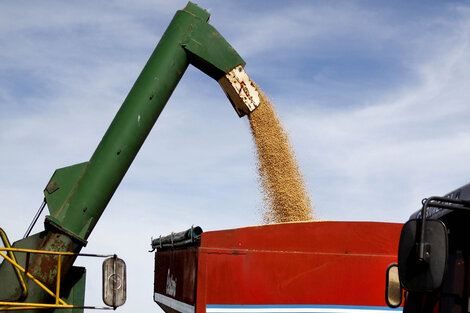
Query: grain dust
(284, 193)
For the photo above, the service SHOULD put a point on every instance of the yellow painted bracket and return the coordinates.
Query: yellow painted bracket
(6, 243)
(29, 275)
(59, 303)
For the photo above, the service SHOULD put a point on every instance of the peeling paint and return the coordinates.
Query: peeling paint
(44, 267)
(240, 90)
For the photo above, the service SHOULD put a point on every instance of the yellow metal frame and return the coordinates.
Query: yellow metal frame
(59, 303)
(6, 243)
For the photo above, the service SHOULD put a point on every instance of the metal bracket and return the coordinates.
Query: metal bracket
(19, 275)
(441, 203)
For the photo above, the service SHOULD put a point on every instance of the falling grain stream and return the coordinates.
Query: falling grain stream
(284, 192)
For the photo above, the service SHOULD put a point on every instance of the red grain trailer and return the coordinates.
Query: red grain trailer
(293, 267)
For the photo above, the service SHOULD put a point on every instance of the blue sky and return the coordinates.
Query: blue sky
(374, 96)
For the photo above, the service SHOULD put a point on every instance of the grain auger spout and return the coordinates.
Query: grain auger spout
(240, 90)
(208, 51)
(77, 195)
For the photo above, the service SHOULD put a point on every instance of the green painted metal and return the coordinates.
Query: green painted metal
(188, 39)
(61, 184)
(10, 288)
(74, 290)
(20, 288)
(209, 51)
(77, 195)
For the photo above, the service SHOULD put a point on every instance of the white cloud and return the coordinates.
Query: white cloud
(387, 155)
(373, 160)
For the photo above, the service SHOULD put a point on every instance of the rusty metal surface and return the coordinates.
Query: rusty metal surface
(44, 267)
(240, 90)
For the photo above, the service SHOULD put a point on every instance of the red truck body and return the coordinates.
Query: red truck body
(293, 267)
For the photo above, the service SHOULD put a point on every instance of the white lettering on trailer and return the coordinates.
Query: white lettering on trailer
(170, 284)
